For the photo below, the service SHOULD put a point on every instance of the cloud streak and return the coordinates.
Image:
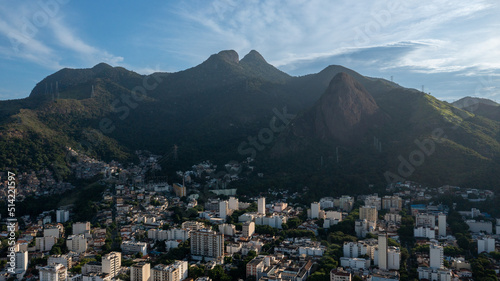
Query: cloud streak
(19, 38)
(448, 39)
(424, 38)
(68, 39)
(39, 35)
(308, 30)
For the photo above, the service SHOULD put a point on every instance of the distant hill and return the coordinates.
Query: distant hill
(469, 101)
(482, 107)
(336, 125)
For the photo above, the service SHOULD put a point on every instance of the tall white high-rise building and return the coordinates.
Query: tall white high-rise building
(22, 260)
(207, 243)
(227, 229)
(436, 254)
(157, 234)
(274, 220)
(339, 274)
(248, 228)
(424, 232)
(81, 228)
(177, 271)
(368, 213)
(92, 267)
(440, 274)
(334, 215)
(77, 243)
(326, 202)
(45, 243)
(134, 247)
(233, 203)
(426, 220)
(56, 272)
(485, 245)
(62, 216)
(392, 203)
(356, 249)
(178, 234)
(140, 271)
(442, 224)
(436, 270)
(393, 257)
(261, 205)
(223, 209)
(382, 251)
(62, 259)
(315, 208)
(51, 231)
(345, 203)
(111, 263)
(363, 227)
(373, 201)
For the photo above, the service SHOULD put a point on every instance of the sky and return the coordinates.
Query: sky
(451, 48)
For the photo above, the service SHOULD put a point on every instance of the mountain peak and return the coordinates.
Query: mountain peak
(345, 112)
(342, 77)
(471, 101)
(101, 66)
(345, 84)
(229, 55)
(67, 78)
(255, 64)
(479, 106)
(254, 56)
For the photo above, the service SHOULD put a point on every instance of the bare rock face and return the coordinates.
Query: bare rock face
(344, 112)
(254, 57)
(230, 56)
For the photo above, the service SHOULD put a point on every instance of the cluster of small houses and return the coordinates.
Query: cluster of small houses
(141, 210)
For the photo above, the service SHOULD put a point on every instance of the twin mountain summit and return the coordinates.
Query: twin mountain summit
(335, 126)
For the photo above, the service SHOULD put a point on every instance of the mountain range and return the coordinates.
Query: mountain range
(334, 126)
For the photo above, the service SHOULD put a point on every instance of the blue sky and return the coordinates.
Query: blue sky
(451, 47)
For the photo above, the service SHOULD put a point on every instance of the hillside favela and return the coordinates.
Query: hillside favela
(249, 140)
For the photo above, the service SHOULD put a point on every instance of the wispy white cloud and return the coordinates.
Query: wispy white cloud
(40, 36)
(20, 38)
(420, 38)
(462, 31)
(428, 37)
(69, 40)
(293, 31)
